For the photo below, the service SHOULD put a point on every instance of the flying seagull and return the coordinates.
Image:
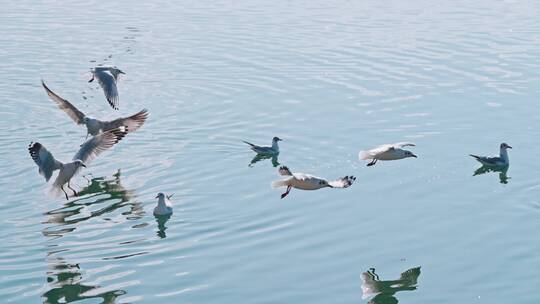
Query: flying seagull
(387, 152)
(274, 149)
(164, 206)
(96, 126)
(89, 150)
(500, 161)
(308, 182)
(107, 77)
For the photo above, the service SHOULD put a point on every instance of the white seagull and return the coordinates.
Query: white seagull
(164, 206)
(96, 126)
(500, 161)
(107, 77)
(274, 149)
(89, 150)
(387, 152)
(308, 182)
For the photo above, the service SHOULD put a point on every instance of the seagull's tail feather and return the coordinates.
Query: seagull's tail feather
(248, 143)
(475, 156)
(364, 155)
(279, 183)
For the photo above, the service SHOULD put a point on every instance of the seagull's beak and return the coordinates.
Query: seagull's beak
(279, 139)
(83, 165)
(412, 155)
(121, 72)
(157, 196)
(509, 147)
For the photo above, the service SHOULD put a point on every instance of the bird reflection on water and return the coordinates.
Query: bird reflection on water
(382, 292)
(65, 280)
(161, 221)
(259, 157)
(104, 191)
(66, 286)
(502, 170)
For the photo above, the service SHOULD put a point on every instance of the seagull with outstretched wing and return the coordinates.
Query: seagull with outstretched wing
(107, 78)
(88, 151)
(308, 182)
(387, 152)
(96, 126)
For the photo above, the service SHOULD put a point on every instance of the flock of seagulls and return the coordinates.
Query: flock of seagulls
(106, 134)
(384, 152)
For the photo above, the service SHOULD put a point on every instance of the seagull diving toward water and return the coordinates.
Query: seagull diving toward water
(495, 161)
(164, 206)
(89, 150)
(308, 182)
(387, 152)
(95, 126)
(274, 149)
(107, 77)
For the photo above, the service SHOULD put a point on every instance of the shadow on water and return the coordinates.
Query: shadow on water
(161, 221)
(503, 178)
(259, 157)
(65, 282)
(382, 292)
(104, 191)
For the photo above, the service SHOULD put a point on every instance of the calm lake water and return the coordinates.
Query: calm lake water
(330, 78)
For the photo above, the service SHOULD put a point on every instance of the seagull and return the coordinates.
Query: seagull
(96, 126)
(164, 206)
(107, 77)
(495, 161)
(308, 182)
(387, 152)
(89, 150)
(274, 149)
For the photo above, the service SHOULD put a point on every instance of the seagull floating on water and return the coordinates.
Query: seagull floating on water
(274, 149)
(164, 206)
(107, 77)
(387, 152)
(96, 126)
(308, 182)
(500, 161)
(89, 150)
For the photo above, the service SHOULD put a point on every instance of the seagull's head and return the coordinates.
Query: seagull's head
(160, 195)
(85, 120)
(276, 139)
(79, 163)
(410, 154)
(505, 146)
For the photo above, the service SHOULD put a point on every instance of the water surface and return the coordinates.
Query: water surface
(330, 79)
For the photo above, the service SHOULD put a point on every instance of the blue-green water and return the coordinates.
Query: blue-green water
(330, 78)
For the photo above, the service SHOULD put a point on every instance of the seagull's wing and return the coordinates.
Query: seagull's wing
(403, 144)
(487, 160)
(99, 143)
(132, 122)
(369, 154)
(44, 159)
(343, 182)
(65, 106)
(108, 83)
(283, 170)
(252, 145)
